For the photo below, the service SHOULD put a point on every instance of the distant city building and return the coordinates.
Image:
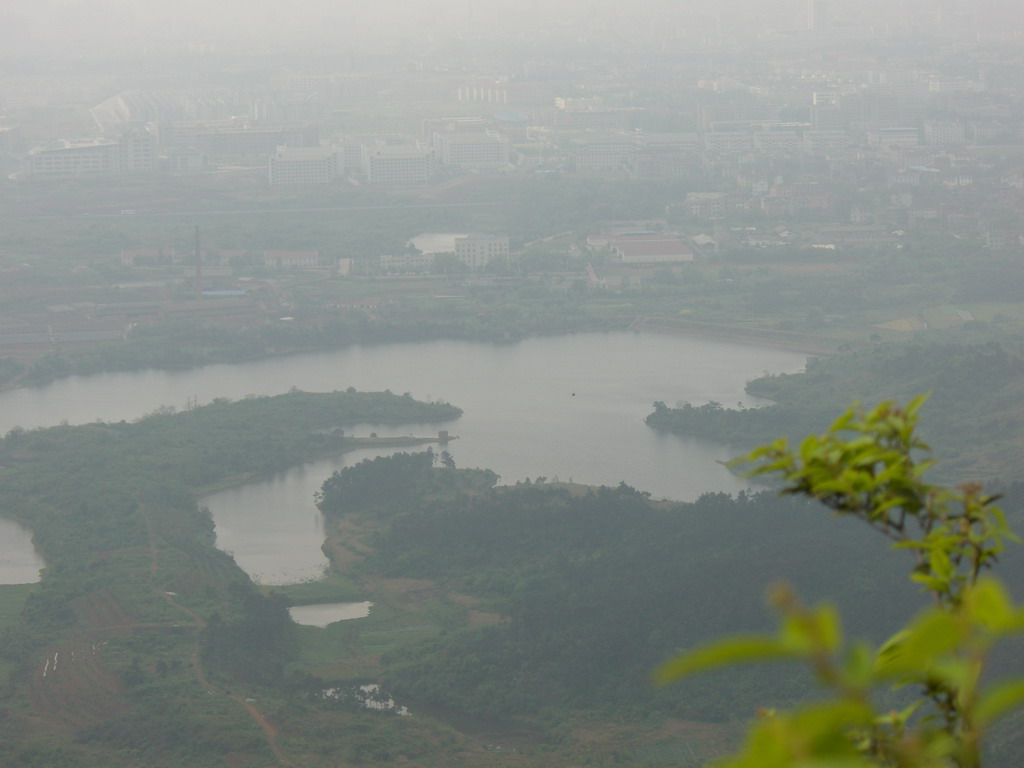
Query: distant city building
(650, 249)
(601, 152)
(514, 126)
(471, 149)
(825, 142)
(137, 150)
(303, 165)
(944, 132)
(286, 110)
(236, 138)
(352, 149)
(402, 165)
(895, 137)
(856, 236)
(407, 262)
(906, 177)
(777, 143)
(579, 104)
(590, 113)
(728, 142)
(139, 256)
(462, 123)
(476, 251)
(714, 116)
(705, 205)
(73, 158)
(133, 151)
(664, 155)
(487, 91)
(291, 259)
(659, 163)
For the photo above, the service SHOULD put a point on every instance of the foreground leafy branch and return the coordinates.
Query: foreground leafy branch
(869, 465)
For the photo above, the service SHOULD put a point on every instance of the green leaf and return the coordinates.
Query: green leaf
(915, 404)
(829, 630)
(732, 650)
(998, 701)
(989, 604)
(915, 650)
(858, 667)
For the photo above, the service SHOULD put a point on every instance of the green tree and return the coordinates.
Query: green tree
(870, 465)
(447, 460)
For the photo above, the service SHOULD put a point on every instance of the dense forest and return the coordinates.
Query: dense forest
(596, 587)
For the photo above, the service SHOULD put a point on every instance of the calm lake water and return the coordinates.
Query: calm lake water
(570, 407)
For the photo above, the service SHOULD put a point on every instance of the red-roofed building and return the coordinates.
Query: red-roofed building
(650, 248)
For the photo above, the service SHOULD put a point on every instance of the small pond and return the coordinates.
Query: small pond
(19, 561)
(322, 614)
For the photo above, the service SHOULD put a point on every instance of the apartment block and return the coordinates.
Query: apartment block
(471, 149)
(476, 251)
(397, 165)
(303, 165)
(605, 152)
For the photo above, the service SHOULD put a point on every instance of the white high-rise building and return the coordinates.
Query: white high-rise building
(303, 165)
(396, 165)
(133, 151)
(73, 158)
(136, 150)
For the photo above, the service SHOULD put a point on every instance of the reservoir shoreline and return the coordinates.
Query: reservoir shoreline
(352, 444)
(788, 341)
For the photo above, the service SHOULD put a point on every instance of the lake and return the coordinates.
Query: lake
(568, 408)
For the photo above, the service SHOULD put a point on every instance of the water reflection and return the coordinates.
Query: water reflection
(272, 527)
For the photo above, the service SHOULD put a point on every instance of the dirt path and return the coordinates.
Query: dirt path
(269, 731)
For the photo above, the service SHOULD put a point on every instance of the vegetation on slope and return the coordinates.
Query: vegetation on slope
(596, 588)
(973, 418)
(133, 642)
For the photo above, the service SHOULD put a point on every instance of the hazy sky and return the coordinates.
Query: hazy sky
(127, 21)
(129, 25)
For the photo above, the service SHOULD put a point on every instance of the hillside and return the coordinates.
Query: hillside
(972, 420)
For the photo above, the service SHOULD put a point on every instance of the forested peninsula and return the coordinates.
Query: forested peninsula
(129, 647)
(972, 420)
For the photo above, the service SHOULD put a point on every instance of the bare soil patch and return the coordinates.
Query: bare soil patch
(903, 324)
